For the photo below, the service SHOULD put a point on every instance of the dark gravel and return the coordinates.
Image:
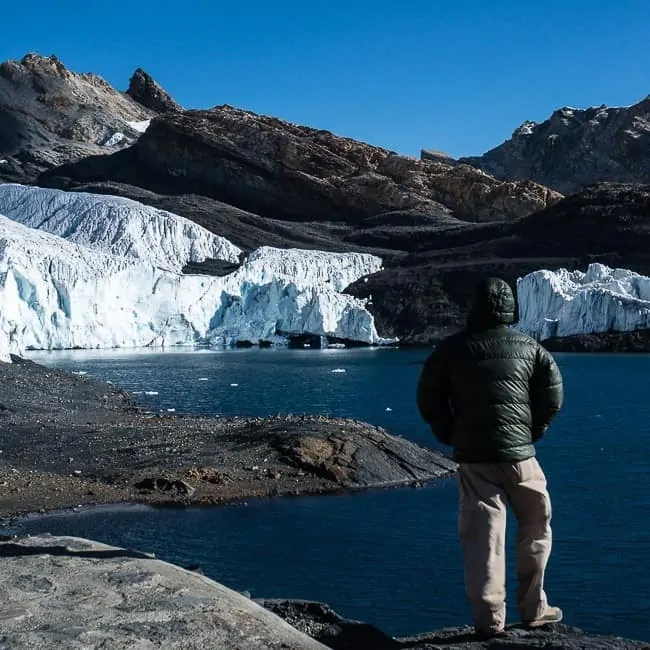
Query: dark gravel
(68, 439)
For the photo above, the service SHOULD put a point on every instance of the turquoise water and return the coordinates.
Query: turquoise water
(391, 557)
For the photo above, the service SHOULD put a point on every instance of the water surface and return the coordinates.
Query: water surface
(391, 556)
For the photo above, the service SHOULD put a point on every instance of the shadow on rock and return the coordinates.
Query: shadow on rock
(320, 622)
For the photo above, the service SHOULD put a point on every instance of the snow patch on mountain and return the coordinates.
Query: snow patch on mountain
(526, 128)
(120, 139)
(116, 139)
(140, 126)
(56, 294)
(115, 225)
(564, 303)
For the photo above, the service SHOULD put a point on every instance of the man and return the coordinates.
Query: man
(491, 393)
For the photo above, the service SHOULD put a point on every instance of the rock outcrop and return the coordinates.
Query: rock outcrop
(145, 90)
(575, 148)
(50, 115)
(72, 593)
(635, 341)
(433, 155)
(322, 623)
(281, 170)
(75, 444)
(359, 459)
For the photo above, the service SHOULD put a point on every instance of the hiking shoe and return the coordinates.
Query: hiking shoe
(551, 615)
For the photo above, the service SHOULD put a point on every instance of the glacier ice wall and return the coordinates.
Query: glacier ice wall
(564, 303)
(5, 346)
(59, 294)
(307, 268)
(115, 225)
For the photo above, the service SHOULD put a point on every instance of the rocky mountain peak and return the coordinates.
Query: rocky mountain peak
(50, 114)
(524, 129)
(145, 90)
(576, 147)
(33, 66)
(45, 64)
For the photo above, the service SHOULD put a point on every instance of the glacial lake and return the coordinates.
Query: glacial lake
(391, 557)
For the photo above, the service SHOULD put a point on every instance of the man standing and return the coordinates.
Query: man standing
(491, 392)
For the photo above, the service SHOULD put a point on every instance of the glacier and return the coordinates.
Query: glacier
(88, 271)
(59, 294)
(115, 225)
(6, 347)
(564, 303)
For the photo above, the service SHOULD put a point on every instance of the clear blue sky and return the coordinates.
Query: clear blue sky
(455, 75)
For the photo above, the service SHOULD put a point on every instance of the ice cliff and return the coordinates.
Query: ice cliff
(564, 303)
(56, 293)
(83, 270)
(115, 225)
(5, 346)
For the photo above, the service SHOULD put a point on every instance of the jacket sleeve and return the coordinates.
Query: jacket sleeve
(433, 396)
(546, 392)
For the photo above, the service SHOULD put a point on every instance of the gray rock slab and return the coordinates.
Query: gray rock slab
(68, 592)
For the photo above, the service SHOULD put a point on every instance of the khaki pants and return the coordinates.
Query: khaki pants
(484, 490)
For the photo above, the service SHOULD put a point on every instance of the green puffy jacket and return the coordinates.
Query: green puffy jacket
(490, 391)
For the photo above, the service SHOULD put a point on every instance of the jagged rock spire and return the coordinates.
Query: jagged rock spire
(145, 90)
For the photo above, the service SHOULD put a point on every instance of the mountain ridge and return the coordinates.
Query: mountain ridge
(575, 147)
(275, 168)
(312, 170)
(50, 115)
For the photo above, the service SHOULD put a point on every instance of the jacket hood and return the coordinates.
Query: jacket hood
(492, 304)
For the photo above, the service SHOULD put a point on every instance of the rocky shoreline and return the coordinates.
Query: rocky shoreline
(71, 440)
(637, 341)
(634, 341)
(320, 622)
